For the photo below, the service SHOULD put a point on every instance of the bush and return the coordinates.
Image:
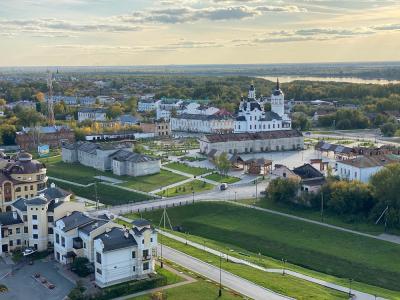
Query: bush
(282, 190)
(79, 266)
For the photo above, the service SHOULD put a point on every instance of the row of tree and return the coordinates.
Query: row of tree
(352, 200)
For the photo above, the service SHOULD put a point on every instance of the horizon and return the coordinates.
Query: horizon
(71, 33)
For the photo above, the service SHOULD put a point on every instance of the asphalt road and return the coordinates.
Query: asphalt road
(229, 280)
(243, 191)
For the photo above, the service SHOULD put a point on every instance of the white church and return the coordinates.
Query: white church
(252, 116)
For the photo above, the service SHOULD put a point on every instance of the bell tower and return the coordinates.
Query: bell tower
(278, 100)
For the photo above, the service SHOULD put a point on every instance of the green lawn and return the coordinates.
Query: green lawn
(286, 285)
(85, 175)
(187, 188)
(151, 182)
(222, 178)
(200, 290)
(329, 218)
(308, 245)
(187, 169)
(108, 195)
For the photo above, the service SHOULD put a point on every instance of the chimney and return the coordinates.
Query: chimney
(53, 185)
(15, 216)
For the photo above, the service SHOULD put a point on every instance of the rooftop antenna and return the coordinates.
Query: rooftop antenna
(50, 104)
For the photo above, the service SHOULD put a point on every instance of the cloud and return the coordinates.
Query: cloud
(387, 27)
(184, 14)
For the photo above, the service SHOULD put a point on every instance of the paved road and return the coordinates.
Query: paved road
(240, 191)
(356, 294)
(229, 280)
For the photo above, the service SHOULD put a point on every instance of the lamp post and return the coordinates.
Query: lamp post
(220, 275)
(350, 281)
(235, 196)
(193, 196)
(283, 266)
(162, 261)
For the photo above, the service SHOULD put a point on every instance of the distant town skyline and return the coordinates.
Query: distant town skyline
(164, 32)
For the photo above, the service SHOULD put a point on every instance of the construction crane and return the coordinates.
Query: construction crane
(50, 103)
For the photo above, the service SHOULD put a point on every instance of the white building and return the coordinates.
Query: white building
(93, 114)
(166, 108)
(123, 255)
(252, 116)
(362, 168)
(147, 104)
(202, 123)
(134, 164)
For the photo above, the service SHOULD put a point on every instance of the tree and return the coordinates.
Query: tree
(386, 189)
(139, 148)
(7, 134)
(39, 96)
(131, 105)
(115, 110)
(222, 163)
(300, 121)
(29, 117)
(388, 129)
(2, 102)
(282, 190)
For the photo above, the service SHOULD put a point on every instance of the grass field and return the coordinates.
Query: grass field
(329, 218)
(151, 182)
(222, 178)
(187, 188)
(286, 285)
(85, 175)
(311, 246)
(108, 195)
(187, 169)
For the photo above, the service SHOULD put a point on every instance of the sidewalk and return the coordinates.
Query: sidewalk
(357, 294)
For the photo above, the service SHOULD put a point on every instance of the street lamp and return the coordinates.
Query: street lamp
(193, 195)
(235, 196)
(350, 281)
(283, 266)
(220, 275)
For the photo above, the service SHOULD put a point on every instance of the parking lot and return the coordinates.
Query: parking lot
(22, 286)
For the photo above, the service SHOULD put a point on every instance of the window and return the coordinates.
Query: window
(63, 241)
(143, 242)
(9, 231)
(25, 188)
(50, 230)
(34, 217)
(151, 239)
(18, 242)
(98, 257)
(25, 217)
(31, 187)
(98, 271)
(25, 229)
(58, 256)
(50, 219)
(145, 253)
(35, 227)
(134, 269)
(18, 189)
(57, 238)
(145, 266)
(35, 236)
(11, 243)
(18, 230)
(133, 254)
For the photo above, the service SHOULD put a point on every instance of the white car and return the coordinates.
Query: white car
(28, 251)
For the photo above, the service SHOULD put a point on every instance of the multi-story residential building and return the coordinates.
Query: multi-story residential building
(202, 123)
(123, 254)
(363, 167)
(147, 104)
(252, 116)
(93, 114)
(54, 136)
(23, 104)
(127, 120)
(20, 176)
(30, 224)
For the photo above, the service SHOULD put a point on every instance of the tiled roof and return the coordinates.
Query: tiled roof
(265, 135)
(115, 239)
(371, 161)
(7, 218)
(75, 220)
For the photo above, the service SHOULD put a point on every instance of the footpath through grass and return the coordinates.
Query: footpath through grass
(308, 245)
(187, 188)
(106, 194)
(187, 169)
(222, 178)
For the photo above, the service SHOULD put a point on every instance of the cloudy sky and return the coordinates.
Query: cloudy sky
(157, 32)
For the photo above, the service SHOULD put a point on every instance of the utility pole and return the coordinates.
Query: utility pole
(220, 275)
(95, 194)
(164, 217)
(322, 206)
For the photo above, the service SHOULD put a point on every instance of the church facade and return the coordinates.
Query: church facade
(252, 116)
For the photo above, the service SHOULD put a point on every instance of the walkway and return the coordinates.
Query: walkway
(187, 280)
(357, 294)
(71, 182)
(383, 237)
(172, 185)
(228, 279)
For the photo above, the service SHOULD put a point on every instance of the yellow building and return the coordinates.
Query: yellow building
(20, 177)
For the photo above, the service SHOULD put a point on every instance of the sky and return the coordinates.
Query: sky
(167, 32)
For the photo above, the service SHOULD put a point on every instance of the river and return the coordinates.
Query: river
(335, 79)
